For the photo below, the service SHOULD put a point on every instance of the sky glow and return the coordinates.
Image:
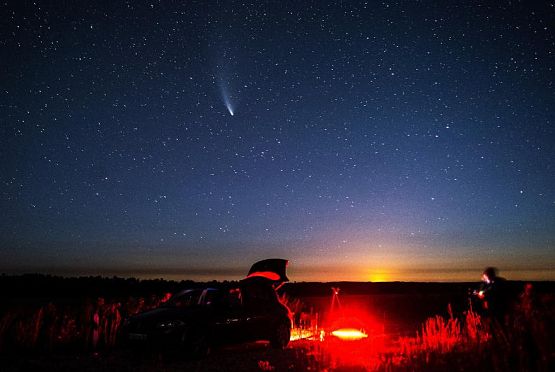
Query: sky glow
(388, 141)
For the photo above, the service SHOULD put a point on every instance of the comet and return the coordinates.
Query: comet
(227, 99)
(228, 105)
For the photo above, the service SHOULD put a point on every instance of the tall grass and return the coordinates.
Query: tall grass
(88, 325)
(522, 341)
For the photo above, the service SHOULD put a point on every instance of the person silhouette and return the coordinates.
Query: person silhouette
(492, 295)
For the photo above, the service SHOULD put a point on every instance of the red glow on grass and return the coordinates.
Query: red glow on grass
(349, 334)
(353, 317)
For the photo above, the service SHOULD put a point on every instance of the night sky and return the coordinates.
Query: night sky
(360, 140)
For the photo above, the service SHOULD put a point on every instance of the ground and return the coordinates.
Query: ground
(244, 357)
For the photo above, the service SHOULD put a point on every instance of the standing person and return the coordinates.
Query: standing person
(492, 296)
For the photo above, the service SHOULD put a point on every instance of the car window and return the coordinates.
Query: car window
(209, 297)
(230, 299)
(259, 295)
(185, 299)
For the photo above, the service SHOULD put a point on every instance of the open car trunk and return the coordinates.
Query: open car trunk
(273, 269)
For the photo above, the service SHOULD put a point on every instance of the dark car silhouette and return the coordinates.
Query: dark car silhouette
(194, 320)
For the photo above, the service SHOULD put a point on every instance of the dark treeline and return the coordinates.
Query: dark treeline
(48, 287)
(40, 286)
(304, 289)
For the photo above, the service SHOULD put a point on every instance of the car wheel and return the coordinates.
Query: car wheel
(196, 343)
(281, 336)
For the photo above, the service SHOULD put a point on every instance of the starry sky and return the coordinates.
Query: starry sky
(409, 140)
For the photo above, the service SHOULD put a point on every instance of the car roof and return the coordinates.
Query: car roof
(191, 290)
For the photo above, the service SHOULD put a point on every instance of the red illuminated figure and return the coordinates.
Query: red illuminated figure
(492, 294)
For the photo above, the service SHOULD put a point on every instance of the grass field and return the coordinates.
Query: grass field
(406, 327)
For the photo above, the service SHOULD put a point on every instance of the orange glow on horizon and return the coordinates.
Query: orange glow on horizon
(380, 276)
(395, 269)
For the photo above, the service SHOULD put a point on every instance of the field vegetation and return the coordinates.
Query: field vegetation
(56, 323)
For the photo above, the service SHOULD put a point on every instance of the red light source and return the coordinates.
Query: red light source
(349, 334)
(265, 274)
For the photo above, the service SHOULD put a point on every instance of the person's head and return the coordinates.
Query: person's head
(489, 274)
